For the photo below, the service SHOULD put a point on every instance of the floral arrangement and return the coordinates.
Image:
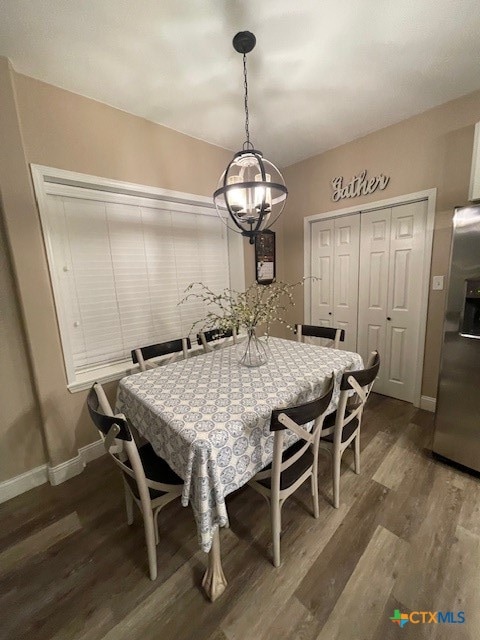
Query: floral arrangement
(258, 305)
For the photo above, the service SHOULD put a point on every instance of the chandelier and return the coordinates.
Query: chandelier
(251, 189)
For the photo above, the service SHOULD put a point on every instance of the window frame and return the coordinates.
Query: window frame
(59, 182)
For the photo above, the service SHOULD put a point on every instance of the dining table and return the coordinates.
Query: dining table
(209, 417)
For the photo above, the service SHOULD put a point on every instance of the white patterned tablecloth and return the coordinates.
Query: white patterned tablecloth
(209, 417)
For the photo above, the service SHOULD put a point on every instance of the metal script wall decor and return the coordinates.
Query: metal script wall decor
(359, 186)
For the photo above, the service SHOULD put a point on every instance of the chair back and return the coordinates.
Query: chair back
(293, 419)
(349, 409)
(114, 429)
(363, 378)
(102, 415)
(213, 335)
(303, 413)
(142, 355)
(326, 333)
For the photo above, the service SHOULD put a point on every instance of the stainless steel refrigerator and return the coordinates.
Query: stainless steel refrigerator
(457, 418)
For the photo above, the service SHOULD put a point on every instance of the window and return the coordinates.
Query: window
(120, 258)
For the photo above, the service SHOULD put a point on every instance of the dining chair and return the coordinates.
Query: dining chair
(328, 333)
(144, 355)
(148, 480)
(292, 467)
(205, 338)
(341, 429)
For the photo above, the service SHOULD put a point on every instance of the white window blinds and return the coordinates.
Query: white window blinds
(123, 268)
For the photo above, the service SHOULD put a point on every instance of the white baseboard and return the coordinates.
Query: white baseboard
(24, 482)
(66, 470)
(74, 466)
(55, 475)
(92, 451)
(428, 404)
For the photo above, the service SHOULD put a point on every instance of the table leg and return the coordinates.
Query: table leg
(214, 581)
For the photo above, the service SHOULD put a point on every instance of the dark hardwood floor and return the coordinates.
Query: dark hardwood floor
(406, 536)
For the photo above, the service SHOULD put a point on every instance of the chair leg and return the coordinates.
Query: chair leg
(316, 507)
(276, 530)
(357, 453)
(336, 479)
(155, 524)
(148, 522)
(129, 506)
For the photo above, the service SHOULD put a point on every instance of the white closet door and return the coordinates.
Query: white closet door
(405, 280)
(373, 286)
(345, 287)
(323, 247)
(391, 279)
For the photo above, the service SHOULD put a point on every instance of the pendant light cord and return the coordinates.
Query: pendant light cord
(247, 142)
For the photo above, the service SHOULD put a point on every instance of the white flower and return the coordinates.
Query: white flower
(230, 309)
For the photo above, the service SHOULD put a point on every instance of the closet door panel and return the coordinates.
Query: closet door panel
(369, 270)
(404, 297)
(373, 286)
(375, 339)
(323, 238)
(345, 281)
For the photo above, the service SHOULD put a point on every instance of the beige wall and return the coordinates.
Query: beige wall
(53, 127)
(432, 149)
(21, 446)
(64, 130)
(20, 424)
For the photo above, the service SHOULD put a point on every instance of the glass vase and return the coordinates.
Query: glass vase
(252, 352)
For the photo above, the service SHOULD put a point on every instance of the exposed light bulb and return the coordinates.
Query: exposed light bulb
(263, 192)
(236, 197)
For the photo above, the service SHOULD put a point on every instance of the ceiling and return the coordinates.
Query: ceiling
(323, 72)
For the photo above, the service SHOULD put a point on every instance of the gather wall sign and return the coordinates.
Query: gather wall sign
(360, 185)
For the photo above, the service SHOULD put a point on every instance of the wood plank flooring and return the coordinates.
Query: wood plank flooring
(406, 536)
